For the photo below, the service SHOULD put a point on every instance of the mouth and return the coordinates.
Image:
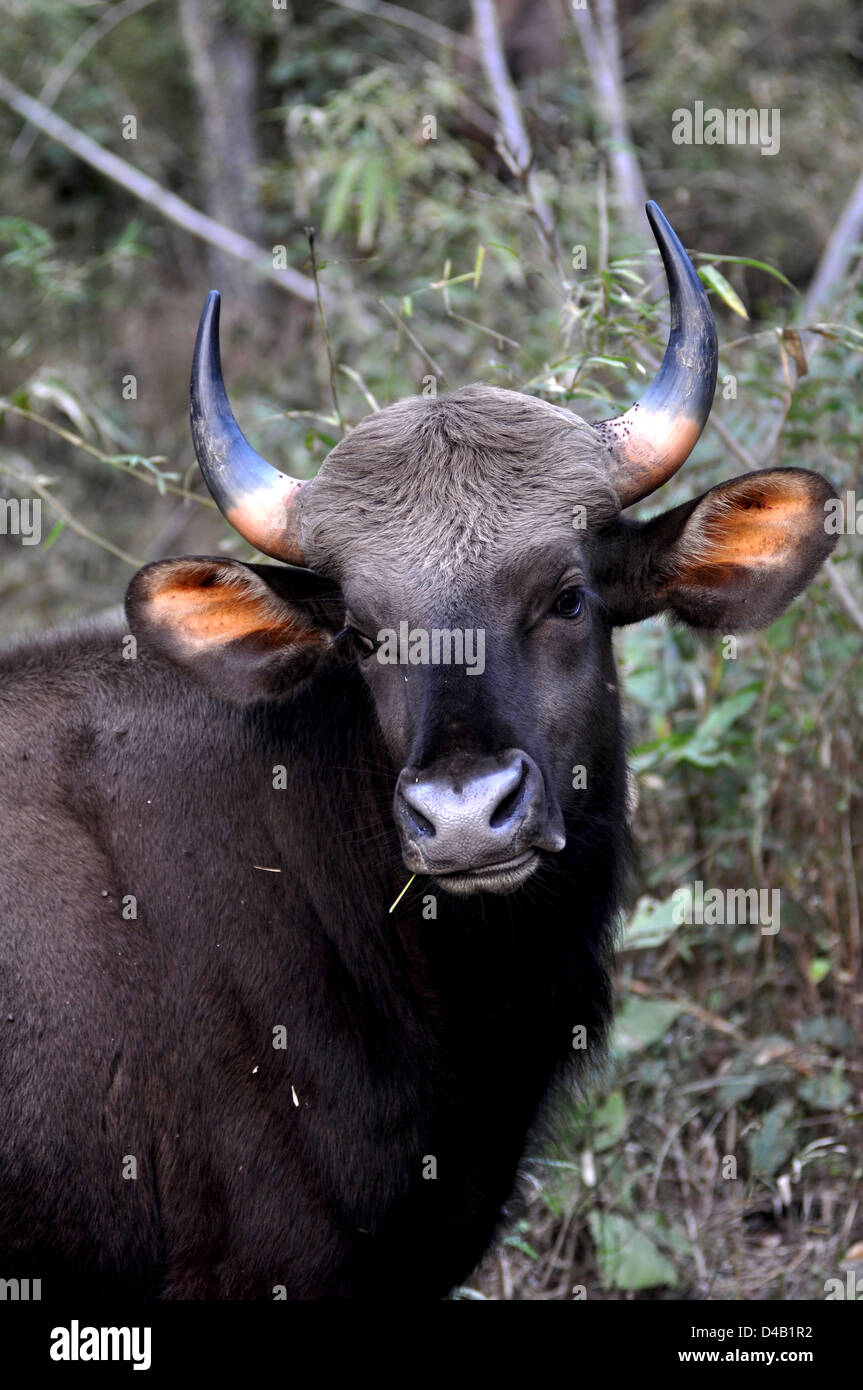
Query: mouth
(491, 878)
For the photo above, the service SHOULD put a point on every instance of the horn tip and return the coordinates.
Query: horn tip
(656, 217)
(209, 320)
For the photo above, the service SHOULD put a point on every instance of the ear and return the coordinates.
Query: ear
(248, 632)
(730, 561)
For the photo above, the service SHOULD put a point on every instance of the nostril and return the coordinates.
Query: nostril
(417, 821)
(413, 807)
(506, 809)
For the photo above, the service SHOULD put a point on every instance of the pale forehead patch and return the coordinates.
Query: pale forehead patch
(442, 488)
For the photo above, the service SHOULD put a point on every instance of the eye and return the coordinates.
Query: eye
(569, 603)
(365, 644)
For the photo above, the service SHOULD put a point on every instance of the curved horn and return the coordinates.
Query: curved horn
(656, 435)
(258, 500)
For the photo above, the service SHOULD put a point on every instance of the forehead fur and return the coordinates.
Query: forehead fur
(447, 486)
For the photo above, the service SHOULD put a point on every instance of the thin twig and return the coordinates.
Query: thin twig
(299, 415)
(444, 285)
(688, 1006)
(310, 233)
(355, 377)
(158, 482)
(739, 450)
(29, 481)
(851, 886)
(402, 326)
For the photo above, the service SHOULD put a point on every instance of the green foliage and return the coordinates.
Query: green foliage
(642, 1022)
(727, 1042)
(629, 1257)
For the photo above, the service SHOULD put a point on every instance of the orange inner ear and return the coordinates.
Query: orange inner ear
(204, 606)
(756, 523)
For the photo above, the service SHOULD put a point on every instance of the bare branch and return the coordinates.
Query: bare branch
(514, 145)
(844, 594)
(838, 255)
(601, 44)
(512, 128)
(738, 450)
(154, 195)
(60, 75)
(408, 19)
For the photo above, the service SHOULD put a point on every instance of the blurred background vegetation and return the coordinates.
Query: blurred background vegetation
(474, 175)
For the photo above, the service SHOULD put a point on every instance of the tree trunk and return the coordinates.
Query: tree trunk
(223, 64)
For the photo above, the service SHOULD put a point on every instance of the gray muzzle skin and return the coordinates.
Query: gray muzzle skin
(478, 826)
